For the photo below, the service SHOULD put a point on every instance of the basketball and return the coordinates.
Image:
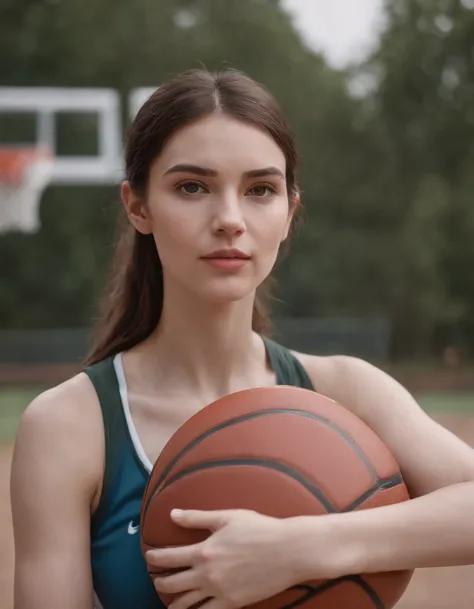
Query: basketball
(281, 451)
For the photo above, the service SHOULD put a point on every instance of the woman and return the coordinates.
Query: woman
(210, 194)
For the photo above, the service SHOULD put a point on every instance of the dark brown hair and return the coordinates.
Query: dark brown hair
(132, 305)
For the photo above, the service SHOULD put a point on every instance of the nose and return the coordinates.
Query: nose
(228, 217)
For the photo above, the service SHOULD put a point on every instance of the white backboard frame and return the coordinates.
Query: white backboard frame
(137, 98)
(107, 166)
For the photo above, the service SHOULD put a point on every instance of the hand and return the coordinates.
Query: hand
(245, 560)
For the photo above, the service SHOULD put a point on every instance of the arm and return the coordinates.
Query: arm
(436, 528)
(250, 557)
(54, 477)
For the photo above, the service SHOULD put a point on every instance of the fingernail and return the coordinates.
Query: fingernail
(176, 512)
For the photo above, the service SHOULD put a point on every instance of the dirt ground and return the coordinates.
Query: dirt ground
(429, 588)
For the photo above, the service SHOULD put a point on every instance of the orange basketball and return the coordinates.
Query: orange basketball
(281, 451)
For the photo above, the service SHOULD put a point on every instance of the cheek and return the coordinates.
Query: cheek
(173, 227)
(178, 234)
(273, 230)
(173, 248)
(172, 241)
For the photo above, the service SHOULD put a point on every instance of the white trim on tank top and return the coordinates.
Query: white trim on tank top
(132, 430)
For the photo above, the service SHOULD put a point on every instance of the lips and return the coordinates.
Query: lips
(227, 254)
(227, 260)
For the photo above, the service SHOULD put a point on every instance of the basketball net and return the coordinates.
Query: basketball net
(24, 174)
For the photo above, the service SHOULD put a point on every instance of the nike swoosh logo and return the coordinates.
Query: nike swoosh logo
(132, 530)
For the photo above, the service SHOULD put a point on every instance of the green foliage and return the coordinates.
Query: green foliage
(386, 180)
(424, 107)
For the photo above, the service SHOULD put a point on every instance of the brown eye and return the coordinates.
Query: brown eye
(190, 188)
(263, 190)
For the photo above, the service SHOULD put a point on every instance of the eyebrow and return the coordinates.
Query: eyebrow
(204, 171)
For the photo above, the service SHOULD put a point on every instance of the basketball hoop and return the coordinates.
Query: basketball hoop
(24, 174)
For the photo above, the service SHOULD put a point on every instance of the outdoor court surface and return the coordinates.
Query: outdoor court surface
(429, 589)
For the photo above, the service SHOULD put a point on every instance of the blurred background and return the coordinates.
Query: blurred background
(380, 95)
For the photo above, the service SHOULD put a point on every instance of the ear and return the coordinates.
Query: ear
(295, 202)
(136, 209)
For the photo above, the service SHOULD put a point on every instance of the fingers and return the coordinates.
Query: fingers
(185, 601)
(180, 556)
(198, 519)
(177, 583)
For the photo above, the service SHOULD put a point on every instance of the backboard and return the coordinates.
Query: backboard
(137, 98)
(40, 161)
(48, 104)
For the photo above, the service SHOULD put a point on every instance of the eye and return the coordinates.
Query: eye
(190, 188)
(263, 190)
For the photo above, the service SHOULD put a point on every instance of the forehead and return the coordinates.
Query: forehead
(222, 143)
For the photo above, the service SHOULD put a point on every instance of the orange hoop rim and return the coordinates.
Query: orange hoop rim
(15, 161)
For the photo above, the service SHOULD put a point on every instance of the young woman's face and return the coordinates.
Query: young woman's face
(218, 208)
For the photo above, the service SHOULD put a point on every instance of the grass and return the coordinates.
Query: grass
(13, 400)
(449, 402)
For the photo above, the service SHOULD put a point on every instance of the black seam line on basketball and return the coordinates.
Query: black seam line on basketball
(314, 591)
(246, 461)
(308, 595)
(305, 587)
(255, 415)
(374, 597)
(243, 462)
(382, 485)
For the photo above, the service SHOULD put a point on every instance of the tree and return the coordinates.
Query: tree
(107, 44)
(422, 108)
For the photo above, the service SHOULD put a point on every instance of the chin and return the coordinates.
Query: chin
(227, 291)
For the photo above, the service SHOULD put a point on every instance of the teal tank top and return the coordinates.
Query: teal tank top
(119, 572)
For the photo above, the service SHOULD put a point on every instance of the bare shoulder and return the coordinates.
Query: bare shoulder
(355, 383)
(69, 409)
(393, 413)
(63, 425)
(55, 483)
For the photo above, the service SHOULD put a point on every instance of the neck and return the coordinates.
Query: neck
(205, 347)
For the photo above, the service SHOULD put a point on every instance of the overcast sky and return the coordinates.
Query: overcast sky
(341, 29)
